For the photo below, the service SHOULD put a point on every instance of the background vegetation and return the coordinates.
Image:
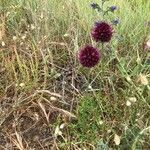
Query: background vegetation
(49, 101)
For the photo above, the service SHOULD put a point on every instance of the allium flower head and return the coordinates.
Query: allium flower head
(112, 8)
(89, 56)
(102, 31)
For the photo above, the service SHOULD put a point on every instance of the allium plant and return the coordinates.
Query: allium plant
(102, 32)
(89, 56)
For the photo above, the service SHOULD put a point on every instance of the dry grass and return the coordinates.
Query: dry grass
(48, 101)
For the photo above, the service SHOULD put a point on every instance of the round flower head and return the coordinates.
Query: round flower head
(89, 56)
(102, 31)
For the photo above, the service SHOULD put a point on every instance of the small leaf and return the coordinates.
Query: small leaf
(148, 43)
(52, 98)
(22, 84)
(57, 131)
(132, 99)
(128, 103)
(62, 126)
(3, 43)
(142, 79)
(117, 139)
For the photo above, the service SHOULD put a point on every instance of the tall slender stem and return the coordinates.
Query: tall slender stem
(102, 6)
(102, 46)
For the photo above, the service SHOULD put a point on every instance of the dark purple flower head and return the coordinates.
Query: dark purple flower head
(89, 56)
(112, 8)
(102, 31)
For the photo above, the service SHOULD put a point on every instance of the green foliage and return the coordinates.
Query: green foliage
(44, 58)
(89, 115)
(128, 138)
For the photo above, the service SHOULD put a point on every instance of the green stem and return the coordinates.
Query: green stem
(103, 1)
